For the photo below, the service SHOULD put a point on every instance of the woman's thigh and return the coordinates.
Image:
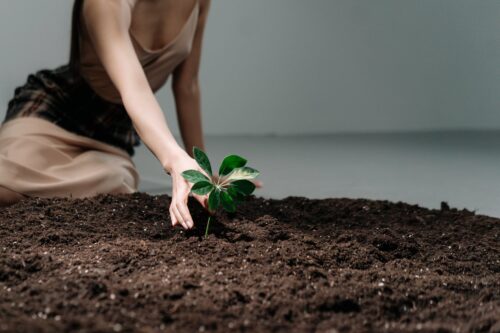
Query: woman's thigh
(50, 162)
(84, 175)
(102, 172)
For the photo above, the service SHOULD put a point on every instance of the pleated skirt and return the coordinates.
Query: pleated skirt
(39, 158)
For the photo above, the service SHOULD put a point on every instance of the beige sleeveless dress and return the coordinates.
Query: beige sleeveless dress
(40, 158)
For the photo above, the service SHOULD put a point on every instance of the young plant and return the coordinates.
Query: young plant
(228, 188)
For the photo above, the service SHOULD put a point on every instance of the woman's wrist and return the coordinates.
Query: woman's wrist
(173, 155)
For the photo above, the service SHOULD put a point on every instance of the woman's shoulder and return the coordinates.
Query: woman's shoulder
(95, 11)
(97, 8)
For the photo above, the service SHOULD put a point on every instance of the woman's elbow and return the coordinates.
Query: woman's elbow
(186, 87)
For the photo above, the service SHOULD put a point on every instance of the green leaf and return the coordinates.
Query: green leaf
(202, 160)
(241, 173)
(234, 193)
(227, 202)
(237, 196)
(243, 186)
(214, 200)
(194, 176)
(231, 162)
(202, 188)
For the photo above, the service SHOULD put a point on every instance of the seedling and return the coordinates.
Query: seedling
(228, 188)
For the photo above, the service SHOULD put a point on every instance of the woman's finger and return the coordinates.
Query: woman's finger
(172, 217)
(184, 211)
(179, 216)
(202, 199)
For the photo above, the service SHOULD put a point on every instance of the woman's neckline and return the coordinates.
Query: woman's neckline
(173, 41)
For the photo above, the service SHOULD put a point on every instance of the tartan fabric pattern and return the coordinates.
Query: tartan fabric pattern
(56, 96)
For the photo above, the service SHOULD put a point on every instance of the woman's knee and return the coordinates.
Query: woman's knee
(8, 197)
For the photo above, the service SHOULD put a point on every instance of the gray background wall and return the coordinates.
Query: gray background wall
(295, 66)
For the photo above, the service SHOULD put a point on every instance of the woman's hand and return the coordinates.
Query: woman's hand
(179, 212)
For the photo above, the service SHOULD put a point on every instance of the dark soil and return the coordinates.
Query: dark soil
(114, 263)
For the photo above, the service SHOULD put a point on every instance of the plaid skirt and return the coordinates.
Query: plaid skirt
(55, 95)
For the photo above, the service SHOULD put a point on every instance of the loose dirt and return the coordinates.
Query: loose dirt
(114, 264)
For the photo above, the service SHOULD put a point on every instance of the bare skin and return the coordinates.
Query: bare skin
(154, 23)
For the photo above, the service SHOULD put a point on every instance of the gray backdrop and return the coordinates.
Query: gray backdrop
(295, 66)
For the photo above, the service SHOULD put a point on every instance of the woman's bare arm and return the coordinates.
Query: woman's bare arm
(108, 23)
(186, 89)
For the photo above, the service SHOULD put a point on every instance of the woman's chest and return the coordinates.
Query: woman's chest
(156, 25)
(158, 64)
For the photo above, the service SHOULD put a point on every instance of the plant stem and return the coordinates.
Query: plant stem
(208, 224)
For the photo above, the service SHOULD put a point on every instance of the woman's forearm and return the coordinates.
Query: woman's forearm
(188, 106)
(151, 125)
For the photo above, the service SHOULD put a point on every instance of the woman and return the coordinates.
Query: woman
(71, 131)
